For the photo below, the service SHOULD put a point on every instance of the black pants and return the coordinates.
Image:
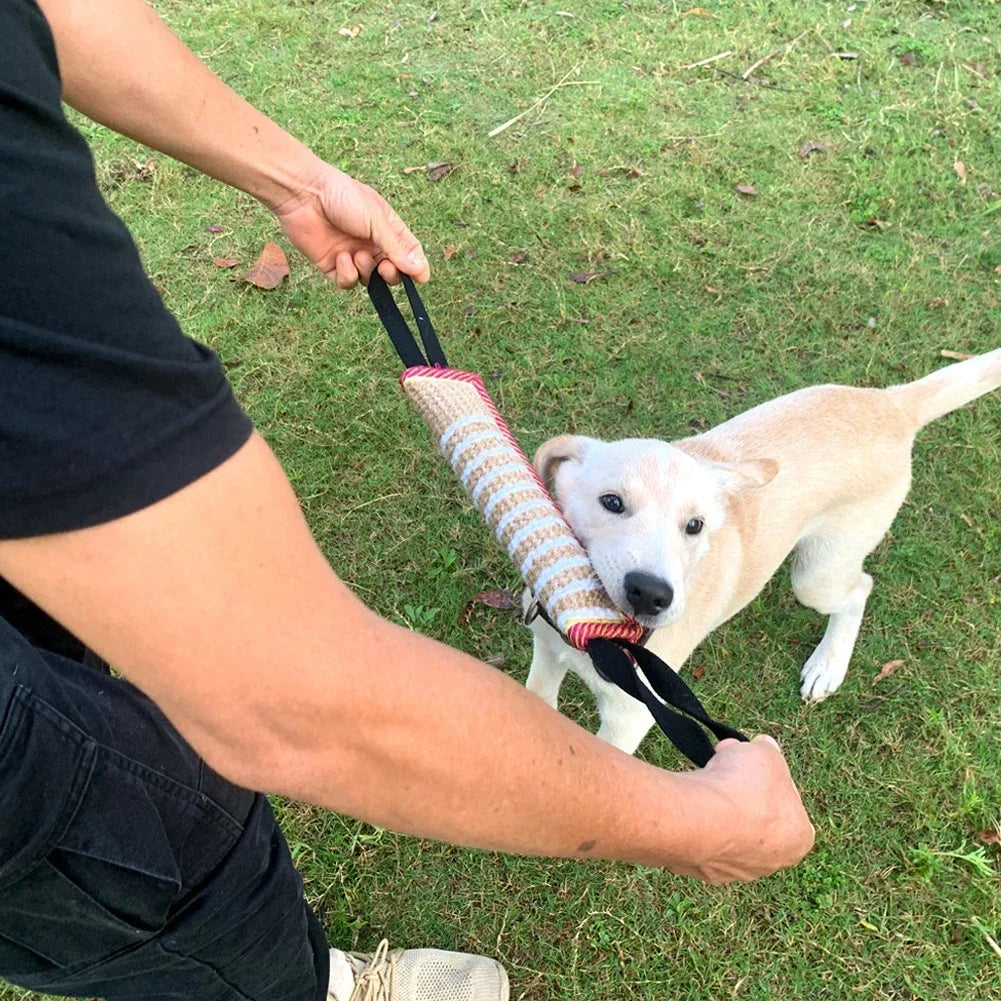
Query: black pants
(128, 868)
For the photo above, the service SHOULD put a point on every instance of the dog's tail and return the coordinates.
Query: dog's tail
(948, 388)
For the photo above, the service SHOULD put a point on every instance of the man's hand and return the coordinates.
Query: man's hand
(764, 826)
(346, 229)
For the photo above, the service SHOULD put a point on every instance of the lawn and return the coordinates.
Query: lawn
(856, 262)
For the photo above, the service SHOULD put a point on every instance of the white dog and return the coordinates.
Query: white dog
(684, 535)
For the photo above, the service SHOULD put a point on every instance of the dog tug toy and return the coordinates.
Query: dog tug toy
(505, 488)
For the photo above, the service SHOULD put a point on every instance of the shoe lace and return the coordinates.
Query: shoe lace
(375, 982)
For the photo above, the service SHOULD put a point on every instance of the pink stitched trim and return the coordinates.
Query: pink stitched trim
(581, 633)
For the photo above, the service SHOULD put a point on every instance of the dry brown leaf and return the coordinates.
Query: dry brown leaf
(877, 223)
(440, 169)
(583, 277)
(576, 170)
(747, 189)
(698, 673)
(989, 837)
(269, 270)
(812, 146)
(955, 355)
(960, 168)
(493, 598)
(887, 669)
(352, 32)
(214, 228)
(698, 12)
(449, 251)
(518, 258)
(225, 262)
(908, 59)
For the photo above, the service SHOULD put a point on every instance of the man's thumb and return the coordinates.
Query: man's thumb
(392, 237)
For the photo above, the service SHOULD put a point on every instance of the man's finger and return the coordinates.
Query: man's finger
(347, 275)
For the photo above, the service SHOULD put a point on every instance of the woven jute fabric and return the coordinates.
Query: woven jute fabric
(508, 494)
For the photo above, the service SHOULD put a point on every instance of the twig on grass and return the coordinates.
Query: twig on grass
(771, 55)
(995, 948)
(711, 59)
(761, 62)
(757, 83)
(542, 100)
(955, 355)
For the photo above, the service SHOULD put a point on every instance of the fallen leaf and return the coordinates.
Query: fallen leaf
(225, 262)
(955, 355)
(698, 673)
(877, 223)
(513, 168)
(436, 171)
(997, 270)
(496, 598)
(938, 303)
(469, 310)
(214, 228)
(698, 12)
(449, 251)
(908, 59)
(575, 188)
(812, 146)
(989, 837)
(518, 258)
(747, 189)
(960, 168)
(413, 170)
(583, 277)
(576, 170)
(887, 669)
(269, 270)
(493, 598)
(350, 32)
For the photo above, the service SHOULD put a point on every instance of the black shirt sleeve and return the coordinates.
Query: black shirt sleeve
(105, 406)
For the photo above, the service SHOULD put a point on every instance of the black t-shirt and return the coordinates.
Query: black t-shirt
(105, 406)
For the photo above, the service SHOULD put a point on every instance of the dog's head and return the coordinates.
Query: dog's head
(646, 512)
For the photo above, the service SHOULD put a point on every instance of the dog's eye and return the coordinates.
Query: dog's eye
(694, 526)
(613, 503)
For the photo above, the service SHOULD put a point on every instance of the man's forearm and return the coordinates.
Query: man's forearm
(217, 602)
(123, 67)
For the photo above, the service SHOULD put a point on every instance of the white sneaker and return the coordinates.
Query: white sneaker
(420, 975)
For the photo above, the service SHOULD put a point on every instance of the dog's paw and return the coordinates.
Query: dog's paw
(822, 675)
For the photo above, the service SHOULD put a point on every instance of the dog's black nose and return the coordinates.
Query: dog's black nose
(647, 594)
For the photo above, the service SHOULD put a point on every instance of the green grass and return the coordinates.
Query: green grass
(712, 302)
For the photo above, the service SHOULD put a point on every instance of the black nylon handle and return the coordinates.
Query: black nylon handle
(399, 330)
(611, 659)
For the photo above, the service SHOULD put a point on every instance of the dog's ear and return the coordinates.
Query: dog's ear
(555, 451)
(733, 477)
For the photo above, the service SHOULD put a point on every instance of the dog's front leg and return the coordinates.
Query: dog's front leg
(624, 721)
(549, 666)
(826, 668)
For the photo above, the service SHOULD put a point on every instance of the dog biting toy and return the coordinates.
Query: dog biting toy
(506, 490)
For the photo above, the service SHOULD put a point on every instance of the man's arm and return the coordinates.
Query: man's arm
(123, 67)
(218, 603)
